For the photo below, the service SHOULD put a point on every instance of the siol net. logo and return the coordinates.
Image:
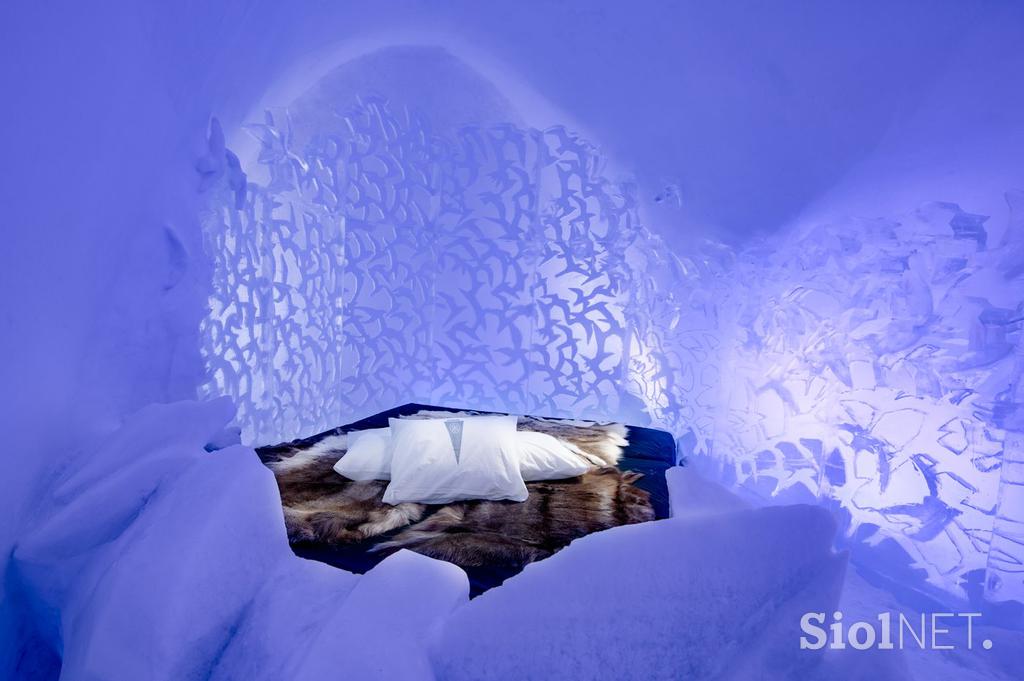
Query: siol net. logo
(888, 632)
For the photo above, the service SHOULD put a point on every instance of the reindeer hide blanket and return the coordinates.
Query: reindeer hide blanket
(323, 509)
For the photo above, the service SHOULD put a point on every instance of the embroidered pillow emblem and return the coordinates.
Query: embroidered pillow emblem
(454, 427)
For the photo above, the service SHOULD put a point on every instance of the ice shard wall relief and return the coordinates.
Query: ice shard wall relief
(274, 336)
(867, 365)
(872, 367)
(498, 270)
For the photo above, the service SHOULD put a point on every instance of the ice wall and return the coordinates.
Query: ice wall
(868, 365)
(103, 284)
(874, 365)
(499, 268)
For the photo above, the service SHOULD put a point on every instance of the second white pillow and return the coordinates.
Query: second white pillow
(545, 457)
(368, 456)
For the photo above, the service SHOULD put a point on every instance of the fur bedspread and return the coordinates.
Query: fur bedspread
(323, 507)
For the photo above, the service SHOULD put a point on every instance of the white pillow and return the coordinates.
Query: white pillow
(437, 461)
(368, 456)
(544, 457)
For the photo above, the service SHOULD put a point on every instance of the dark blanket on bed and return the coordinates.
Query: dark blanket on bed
(345, 523)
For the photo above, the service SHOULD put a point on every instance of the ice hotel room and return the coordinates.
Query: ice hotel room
(441, 340)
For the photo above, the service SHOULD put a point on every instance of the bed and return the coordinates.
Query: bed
(344, 524)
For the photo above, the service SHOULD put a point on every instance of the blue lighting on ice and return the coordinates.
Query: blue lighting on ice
(792, 239)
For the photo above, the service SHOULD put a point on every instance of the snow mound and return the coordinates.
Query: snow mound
(159, 559)
(718, 595)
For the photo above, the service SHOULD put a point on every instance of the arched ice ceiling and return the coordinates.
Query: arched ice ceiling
(753, 109)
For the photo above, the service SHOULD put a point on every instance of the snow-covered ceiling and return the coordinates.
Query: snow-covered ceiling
(755, 110)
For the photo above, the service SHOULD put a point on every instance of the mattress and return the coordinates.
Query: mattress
(650, 452)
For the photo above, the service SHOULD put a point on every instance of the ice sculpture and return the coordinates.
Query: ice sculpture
(867, 365)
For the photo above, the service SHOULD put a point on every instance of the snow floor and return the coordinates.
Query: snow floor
(154, 558)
